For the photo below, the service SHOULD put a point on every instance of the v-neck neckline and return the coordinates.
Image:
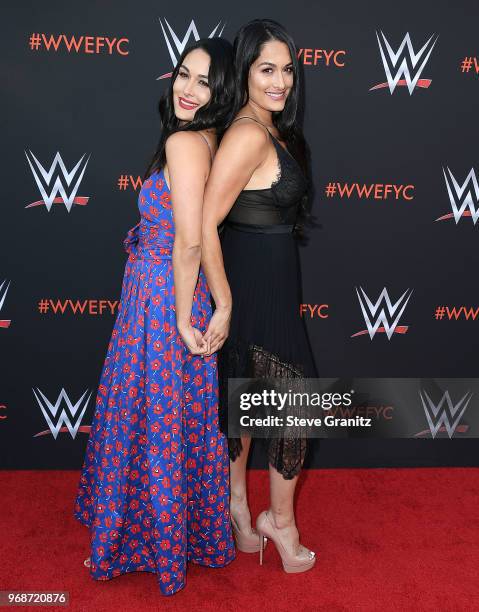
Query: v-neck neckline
(284, 148)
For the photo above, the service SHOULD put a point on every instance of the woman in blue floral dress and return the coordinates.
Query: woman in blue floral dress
(154, 486)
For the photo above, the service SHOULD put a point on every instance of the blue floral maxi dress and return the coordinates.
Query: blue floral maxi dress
(154, 486)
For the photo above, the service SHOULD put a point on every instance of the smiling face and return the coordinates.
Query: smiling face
(190, 89)
(271, 76)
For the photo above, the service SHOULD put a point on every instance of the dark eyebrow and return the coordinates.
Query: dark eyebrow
(203, 76)
(274, 65)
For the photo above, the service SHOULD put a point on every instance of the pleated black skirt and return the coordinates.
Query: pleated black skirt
(267, 335)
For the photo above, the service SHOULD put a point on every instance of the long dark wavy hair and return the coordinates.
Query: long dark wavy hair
(247, 47)
(215, 113)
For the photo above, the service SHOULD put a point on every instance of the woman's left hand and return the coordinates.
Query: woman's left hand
(194, 340)
(218, 329)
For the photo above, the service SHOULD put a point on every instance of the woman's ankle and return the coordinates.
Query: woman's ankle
(281, 520)
(239, 500)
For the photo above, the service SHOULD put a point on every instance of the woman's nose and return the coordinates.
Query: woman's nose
(188, 88)
(278, 80)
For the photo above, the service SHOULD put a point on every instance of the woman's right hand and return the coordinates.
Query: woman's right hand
(194, 340)
(218, 329)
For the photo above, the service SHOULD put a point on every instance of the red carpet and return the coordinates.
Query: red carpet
(387, 539)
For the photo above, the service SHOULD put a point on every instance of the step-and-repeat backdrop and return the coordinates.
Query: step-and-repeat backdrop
(390, 272)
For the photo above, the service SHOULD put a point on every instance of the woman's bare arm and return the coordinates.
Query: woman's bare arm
(243, 148)
(188, 167)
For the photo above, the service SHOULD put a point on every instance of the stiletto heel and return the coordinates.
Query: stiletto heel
(292, 564)
(261, 549)
(249, 543)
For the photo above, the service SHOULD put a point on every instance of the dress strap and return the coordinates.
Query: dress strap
(248, 117)
(206, 140)
(275, 140)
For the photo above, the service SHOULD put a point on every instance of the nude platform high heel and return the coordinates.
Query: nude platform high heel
(292, 564)
(245, 542)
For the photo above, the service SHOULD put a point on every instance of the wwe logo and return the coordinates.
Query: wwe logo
(459, 201)
(449, 416)
(55, 419)
(378, 321)
(391, 60)
(3, 294)
(181, 44)
(74, 176)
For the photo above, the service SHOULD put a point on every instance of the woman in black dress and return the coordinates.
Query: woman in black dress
(258, 188)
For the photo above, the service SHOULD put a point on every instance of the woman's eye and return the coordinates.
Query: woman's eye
(204, 83)
(183, 74)
(266, 70)
(290, 69)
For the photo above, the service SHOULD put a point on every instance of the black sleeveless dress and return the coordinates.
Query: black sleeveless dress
(267, 336)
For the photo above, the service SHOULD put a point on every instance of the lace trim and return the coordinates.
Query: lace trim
(286, 455)
(279, 173)
(263, 361)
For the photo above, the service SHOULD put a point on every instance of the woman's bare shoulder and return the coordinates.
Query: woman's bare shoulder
(247, 134)
(187, 145)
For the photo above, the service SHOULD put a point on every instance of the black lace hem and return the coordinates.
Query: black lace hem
(244, 360)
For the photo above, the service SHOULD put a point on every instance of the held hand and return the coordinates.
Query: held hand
(218, 329)
(194, 340)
